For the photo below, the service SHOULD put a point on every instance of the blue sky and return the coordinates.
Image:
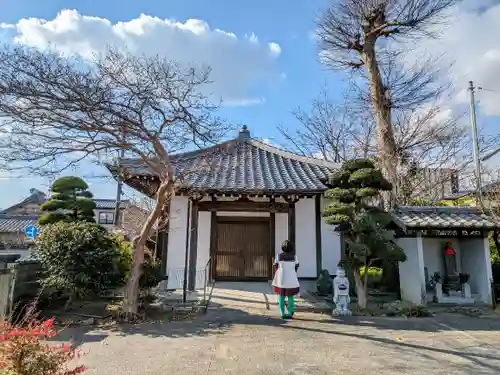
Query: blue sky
(287, 23)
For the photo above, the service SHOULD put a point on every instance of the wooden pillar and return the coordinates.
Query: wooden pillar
(272, 236)
(213, 244)
(291, 219)
(193, 246)
(319, 253)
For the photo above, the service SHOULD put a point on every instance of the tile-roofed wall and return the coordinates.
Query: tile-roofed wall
(444, 217)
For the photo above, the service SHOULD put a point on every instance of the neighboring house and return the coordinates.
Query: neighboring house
(434, 183)
(15, 219)
(490, 196)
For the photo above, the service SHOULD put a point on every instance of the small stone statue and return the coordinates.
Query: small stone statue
(341, 294)
(324, 284)
(450, 260)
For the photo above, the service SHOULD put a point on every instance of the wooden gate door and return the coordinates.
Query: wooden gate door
(243, 251)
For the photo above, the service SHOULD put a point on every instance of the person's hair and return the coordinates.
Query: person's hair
(287, 247)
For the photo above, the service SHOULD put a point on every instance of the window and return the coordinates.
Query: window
(106, 217)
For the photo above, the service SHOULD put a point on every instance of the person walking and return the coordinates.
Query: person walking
(285, 281)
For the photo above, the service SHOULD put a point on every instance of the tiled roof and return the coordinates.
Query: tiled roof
(107, 204)
(16, 224)
(242, 165)
(443, 217)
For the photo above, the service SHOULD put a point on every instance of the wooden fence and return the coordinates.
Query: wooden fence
(6, 279)
(19, 284)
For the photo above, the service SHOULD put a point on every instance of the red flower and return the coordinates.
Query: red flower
(48, 324)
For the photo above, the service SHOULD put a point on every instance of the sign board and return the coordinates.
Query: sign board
(31, 231)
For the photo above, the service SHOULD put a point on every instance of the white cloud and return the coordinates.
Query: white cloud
(470, 42)
(237, 63)
(244, 102)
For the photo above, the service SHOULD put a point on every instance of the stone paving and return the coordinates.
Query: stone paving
(243, 334)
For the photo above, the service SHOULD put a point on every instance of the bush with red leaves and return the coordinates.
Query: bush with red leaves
(24, 350)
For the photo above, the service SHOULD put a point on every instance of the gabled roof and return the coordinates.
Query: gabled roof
(241, 165)
(36, 196)
(410, 217)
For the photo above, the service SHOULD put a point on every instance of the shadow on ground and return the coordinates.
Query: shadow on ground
(215, 321)
(480, 359)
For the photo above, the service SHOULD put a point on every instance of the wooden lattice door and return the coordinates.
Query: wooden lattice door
(242, 251)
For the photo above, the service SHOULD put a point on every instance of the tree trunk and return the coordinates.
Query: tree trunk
(381, 106)
(131, 295)
(361, 290)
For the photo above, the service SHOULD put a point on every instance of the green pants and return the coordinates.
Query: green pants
(291, 305)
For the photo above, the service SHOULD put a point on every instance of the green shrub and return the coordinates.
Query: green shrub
(81, 259)
(152, 272)
(374, 275)
(495, 262)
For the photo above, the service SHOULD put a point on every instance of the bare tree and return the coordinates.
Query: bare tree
(353, 35)
(330, 131)
(57, 111)
(431, 144)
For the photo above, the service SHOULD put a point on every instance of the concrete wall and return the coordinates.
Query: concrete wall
(475, 259)
(412, 277)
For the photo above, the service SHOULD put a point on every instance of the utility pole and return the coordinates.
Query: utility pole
(118, 195)
(475, 139)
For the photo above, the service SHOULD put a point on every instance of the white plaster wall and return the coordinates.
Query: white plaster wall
(281, 231)
(411, 272)
(331, 247)
(433, 254)
(475, 257)
(305, 237)
(204, 225)
(177, 241)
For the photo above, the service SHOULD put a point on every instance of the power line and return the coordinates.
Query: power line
(475, 139)
(24, 177)
(489, 90)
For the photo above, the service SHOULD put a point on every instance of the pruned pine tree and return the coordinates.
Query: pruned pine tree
(70, 201)
(353, 189)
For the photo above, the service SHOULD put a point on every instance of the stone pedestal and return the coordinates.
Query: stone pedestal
(438, 292)
(462, 297)
(466, 290)
(452, 284)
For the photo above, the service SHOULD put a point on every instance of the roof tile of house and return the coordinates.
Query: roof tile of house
(106, 204)
(16, 224)
(443, 218)
(241, 165)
